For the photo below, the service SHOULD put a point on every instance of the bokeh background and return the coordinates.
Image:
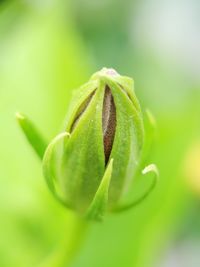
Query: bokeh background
(48, 48)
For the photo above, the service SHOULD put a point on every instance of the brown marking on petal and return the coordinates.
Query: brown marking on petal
(81, 110)
(108, 122)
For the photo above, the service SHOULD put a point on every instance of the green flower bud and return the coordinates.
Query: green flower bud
(90, 166)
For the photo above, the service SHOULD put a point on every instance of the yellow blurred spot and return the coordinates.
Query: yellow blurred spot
(192, 168)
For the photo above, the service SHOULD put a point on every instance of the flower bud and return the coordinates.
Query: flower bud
(90, 166)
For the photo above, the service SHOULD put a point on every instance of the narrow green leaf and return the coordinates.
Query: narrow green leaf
(98, 206)
(150, 169)
(32, 134)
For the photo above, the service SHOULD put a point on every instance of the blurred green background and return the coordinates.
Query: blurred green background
(48, 48)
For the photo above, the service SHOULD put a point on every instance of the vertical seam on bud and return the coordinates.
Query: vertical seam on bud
(108, 122)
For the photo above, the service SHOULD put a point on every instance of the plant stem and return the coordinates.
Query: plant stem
(69, 246)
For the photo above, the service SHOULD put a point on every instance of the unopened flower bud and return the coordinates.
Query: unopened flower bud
(90, 165)
(104, 123)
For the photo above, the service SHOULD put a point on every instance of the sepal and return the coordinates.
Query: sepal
(150, 169)
(49, 166)
(98, 206)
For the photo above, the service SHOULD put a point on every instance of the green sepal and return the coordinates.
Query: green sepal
(32, 134)
(98, 206)
(128, 141)
(150, 169)
(79, 96)
(81, 165)
(49, 166)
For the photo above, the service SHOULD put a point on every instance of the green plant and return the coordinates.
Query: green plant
(90, 165)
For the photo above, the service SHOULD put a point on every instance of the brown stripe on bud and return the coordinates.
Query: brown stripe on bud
(81, 110)
(108, 122)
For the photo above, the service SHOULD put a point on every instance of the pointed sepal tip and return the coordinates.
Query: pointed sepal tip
(98, 206)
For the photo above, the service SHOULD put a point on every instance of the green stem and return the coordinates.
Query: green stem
(69, 246)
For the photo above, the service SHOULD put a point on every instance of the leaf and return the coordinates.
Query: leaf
(147, 170)
(32, 134)
(98, 206)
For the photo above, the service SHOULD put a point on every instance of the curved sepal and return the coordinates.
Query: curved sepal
(32, 134)
(150, 169)
(49, 164)
(98, 206)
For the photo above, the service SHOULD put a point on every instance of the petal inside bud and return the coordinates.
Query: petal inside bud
(108, 122)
